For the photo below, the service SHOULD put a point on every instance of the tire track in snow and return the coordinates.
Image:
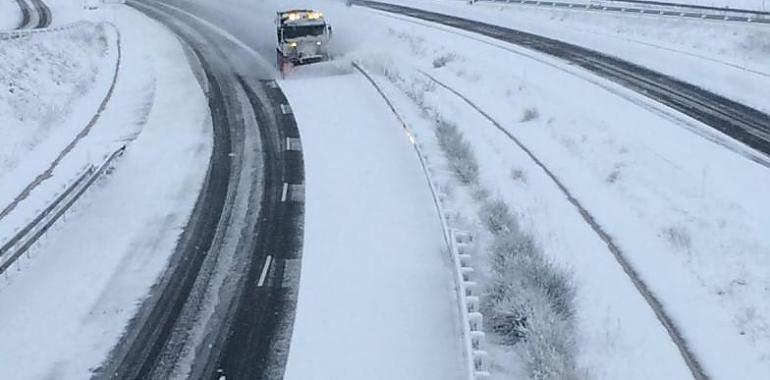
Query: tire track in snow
(673, 331)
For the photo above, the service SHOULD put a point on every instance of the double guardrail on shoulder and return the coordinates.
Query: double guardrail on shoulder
(457, 243)
(23, 33)
(20, 243)
(651, 8)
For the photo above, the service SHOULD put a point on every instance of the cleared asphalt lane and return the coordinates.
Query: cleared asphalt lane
(227, 299)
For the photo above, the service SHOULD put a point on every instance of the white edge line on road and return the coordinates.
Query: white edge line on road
(265, 269)
(285, 192)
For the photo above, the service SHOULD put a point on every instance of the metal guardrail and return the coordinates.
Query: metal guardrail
(23, 33)
(31, 233)
(689, 6)
(651, 8)
(457, 243)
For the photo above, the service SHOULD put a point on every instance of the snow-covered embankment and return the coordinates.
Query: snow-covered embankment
(9, 14)
(72, 297)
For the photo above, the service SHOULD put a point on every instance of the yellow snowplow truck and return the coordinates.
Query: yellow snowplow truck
(303, 36)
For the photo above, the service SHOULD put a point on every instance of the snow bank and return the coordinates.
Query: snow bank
(376, 299)
(670, 210)
(9, 14)
(70, 300)
(527, 302)
(43, 76)
(727, 58)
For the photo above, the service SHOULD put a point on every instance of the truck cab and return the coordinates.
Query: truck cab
(303, 36)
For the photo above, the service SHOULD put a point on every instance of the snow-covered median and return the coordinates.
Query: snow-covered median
(730, 59)
(9, 14)
(72, 297)
(376, 299)
(670, 210)
(55, 84)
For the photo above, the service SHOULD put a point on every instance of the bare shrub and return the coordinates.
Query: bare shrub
(550, 352)
(496, 217)
(519, 175)
(529, 302)
(443, 59)
(757, 42)
(480, 194)
(458, 151)
(678, 237)
(529, 114)
(615, 175)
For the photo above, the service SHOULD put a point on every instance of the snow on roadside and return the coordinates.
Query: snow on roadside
(55, 83)
(62, 323)
(730, 59)
(696, 239)
(52, 86)
(618, 335)
(757, 5)
(9, 14)
(663, 204)
(376, 298)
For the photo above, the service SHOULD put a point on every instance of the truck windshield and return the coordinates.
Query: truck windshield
(297, 31)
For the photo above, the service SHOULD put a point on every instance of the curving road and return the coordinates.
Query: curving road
(736, 120)
(25, 14)
(43, 12)
(224, 307)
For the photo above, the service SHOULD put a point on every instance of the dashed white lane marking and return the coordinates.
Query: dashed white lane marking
(285, 109)
(293, 144)
(284, 192)
(265, 269)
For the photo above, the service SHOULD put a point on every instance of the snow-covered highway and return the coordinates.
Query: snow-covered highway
(602, 168)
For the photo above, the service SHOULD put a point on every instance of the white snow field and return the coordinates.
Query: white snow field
(66, 304)
(376, 298)
(697, 239)
(9, 14)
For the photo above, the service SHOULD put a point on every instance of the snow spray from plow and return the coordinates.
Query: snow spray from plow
(456, 241)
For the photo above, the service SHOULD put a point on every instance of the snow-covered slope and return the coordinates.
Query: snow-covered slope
(376, 296)
(72, 296)
(670, 209)
(757, 5)
(730, 59)
(55, 84)
(9, 14)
